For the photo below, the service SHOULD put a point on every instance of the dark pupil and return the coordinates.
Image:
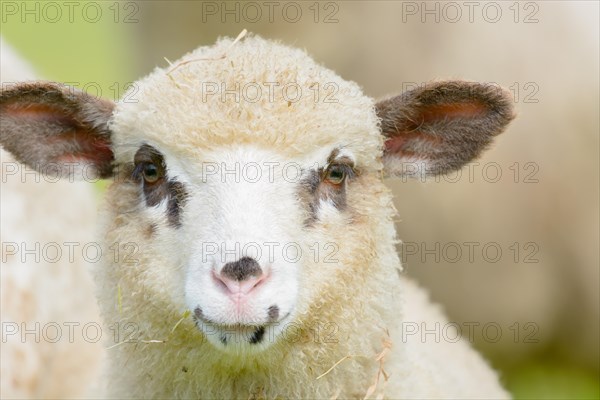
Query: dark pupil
(336, 173)
(150, 171)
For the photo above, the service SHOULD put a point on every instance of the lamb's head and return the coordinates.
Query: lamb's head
(249, 178)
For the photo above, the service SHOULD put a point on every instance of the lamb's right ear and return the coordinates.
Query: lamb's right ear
(56, 129)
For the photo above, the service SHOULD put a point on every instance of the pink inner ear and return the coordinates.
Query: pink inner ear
(40, 113)
(84, 147)
(452, 111)
(397, 143)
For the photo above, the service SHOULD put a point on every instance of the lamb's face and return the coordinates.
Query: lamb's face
(249, 227)
(252, 196)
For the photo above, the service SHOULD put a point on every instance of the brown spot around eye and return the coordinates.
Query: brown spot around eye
(178, 197)
(315, 187)
(155, 192)
(162, 189)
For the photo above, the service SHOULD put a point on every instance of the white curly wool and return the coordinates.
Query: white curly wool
(355, 319)
(41, 298)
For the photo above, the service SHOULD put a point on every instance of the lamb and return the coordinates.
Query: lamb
(248, 236)
(35, 210)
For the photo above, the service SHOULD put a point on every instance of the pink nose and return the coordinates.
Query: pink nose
(241, 276)
(243, 287)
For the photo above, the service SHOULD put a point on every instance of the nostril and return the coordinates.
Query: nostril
(242, 269)
(241, 276)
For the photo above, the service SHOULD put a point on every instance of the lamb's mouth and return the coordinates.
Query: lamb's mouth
(239, 334)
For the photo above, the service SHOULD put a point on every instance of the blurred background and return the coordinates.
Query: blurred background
(510, 245)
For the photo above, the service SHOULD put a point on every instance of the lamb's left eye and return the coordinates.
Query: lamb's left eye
(151, 173)
(336, 174)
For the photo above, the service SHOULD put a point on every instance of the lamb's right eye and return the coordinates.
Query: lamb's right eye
(150, 173)
(149, 165)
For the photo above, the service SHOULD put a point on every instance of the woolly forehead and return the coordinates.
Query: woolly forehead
(263, 94)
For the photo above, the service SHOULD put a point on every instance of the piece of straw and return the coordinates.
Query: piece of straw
(222, 56)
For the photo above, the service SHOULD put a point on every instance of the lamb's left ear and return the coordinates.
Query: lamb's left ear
(56, 129)
(439, 127)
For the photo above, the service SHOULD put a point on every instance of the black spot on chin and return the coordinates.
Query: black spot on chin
(273, 313)
(258, 335)
(198, 314)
